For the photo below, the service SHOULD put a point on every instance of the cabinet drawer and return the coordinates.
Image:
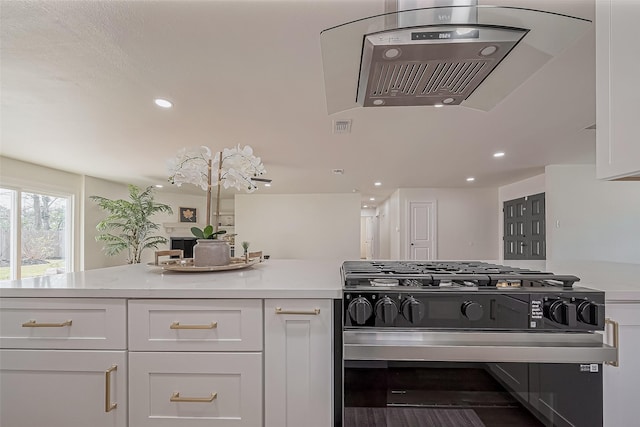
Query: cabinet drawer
(195, 325)
(63, 323)
(195, 389)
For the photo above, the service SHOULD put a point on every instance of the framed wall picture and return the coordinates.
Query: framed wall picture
(188, 215)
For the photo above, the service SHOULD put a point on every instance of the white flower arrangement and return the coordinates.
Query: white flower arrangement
(235, 167)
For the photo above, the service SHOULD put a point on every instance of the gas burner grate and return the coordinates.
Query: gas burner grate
(443, 273)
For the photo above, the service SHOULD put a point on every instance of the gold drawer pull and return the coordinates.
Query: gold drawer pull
(313, 312)
(108, 406)
(175, 397)
(34, 324)
(615, 330)
(177, 325)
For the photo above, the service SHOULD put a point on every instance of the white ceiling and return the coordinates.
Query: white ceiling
(78, 81)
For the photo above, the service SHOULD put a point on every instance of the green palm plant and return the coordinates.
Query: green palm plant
(128, 225)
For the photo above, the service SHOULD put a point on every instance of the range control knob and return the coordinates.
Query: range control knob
(386, 310)
(472, 310)
(562, 312)
(591, 313)
(412, 310)
(360, 310)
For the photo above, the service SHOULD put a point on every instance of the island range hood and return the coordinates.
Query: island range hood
(440, 52)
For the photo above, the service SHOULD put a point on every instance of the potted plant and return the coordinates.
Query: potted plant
(232, 167)
(128, 225)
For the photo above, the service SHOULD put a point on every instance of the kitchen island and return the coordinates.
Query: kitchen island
(138, 346)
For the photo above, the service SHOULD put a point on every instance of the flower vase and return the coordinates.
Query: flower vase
(211, 253)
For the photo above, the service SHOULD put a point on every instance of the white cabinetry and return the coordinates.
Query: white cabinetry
(621, 383)
(298, 351)
(617, 89)
(57, 388)
(195, 363)
(63, 362)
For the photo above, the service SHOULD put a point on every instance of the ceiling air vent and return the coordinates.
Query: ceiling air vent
(342, 126)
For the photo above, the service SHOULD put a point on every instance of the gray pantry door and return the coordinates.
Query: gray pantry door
(524, 228)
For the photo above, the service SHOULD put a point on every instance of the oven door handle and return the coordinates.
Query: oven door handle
(615, 331)
(478, 346)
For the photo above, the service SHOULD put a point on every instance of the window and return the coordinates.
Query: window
(40, 225)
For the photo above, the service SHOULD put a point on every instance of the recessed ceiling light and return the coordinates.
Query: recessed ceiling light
(372, 199)
(163, 103)
(470, 179)
(159, 185)
(377, 184)
(437, 105)
(365, 206)
(498, 154)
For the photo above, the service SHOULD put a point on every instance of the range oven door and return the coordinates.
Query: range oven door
(415, 378)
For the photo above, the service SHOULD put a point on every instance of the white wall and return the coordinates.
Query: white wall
(32, 177)
(302, 226)
(588, 219)
(516, 190)
(466, 219)
(94, 257)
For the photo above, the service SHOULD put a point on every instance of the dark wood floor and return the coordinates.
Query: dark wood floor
(408, 397)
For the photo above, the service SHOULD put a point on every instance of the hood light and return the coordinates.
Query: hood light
(163, 103)
(471, 179)
(377, 184)
(489, 50)
(498, 154)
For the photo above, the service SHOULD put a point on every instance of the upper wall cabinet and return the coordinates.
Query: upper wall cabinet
(617, 90)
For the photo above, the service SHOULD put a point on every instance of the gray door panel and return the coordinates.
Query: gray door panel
(524, 228)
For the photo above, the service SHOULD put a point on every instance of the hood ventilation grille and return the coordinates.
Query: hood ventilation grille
(415, 78)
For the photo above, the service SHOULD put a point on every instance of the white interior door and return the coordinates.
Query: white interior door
(422, 235)
(367, 237)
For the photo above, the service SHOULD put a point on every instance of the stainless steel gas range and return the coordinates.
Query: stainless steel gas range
(458, 344)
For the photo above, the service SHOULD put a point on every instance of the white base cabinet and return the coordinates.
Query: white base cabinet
(621, 383)
(69, 362)
(195, 389)
(57, 388)
(298, 362)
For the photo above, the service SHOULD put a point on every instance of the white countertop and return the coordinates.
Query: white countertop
(280, 279)
(269, 279)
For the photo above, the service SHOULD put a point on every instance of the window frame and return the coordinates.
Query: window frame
(15, 244)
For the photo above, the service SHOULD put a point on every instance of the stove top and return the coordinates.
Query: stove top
(447, 274)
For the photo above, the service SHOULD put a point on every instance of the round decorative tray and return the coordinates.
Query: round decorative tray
(186, 265)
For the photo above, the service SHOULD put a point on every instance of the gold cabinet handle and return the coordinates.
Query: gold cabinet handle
(313, 312)
(108, 406)
(177, 325)
(35, 324)
(615, 330)
(175, 397)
